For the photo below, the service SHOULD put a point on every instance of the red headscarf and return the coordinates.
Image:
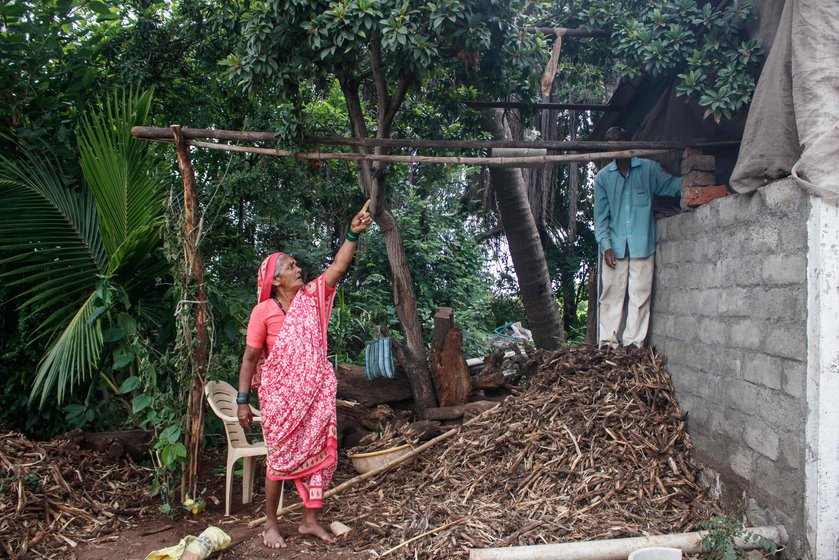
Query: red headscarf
(265, 276)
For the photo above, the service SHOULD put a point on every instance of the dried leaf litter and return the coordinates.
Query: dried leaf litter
(594, 448)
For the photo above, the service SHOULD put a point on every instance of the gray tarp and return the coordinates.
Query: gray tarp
(793, 122)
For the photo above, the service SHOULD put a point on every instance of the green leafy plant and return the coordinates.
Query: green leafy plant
(84, 253)
(705, 47)
(720, 541)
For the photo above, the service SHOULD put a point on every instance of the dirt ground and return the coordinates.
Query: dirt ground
(159, 531)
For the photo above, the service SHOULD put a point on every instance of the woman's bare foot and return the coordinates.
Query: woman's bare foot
(271, 538)
(314, 529)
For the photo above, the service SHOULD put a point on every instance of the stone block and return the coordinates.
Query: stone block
(794, 236)
(785, 339)
(713, 331)
(761, 438)
(740, 209)
(762, 369)
(786, 487)
(746, 333)
(698, 163)
(783, 196)
(698, 179)
(742, 462)
(795, 378)
(735, 302)
(691, 152)
(792, 450)
(785, 269)
(763, 238)
(693, 197)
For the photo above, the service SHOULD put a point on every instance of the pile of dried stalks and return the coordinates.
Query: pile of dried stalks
(595, 448)
(54, 496)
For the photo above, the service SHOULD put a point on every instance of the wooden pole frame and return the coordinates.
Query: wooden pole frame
(525, 161)
(199, 349)
(165, 134)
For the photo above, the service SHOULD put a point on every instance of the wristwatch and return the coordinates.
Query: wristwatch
(243, 398)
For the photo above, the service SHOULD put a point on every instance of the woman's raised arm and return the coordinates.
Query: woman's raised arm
(343, 257)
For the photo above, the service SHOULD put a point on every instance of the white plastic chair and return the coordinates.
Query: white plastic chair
(222, 399)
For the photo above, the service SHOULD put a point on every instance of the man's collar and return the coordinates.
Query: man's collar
(633, 162)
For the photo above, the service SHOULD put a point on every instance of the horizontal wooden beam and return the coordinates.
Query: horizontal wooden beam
(525, 161)
(153, 133)
(550, 106)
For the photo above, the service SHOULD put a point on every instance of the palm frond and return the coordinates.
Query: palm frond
(50, 233)
(119, 171)
(72, 358)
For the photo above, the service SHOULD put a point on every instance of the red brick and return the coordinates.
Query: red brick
(698, 179)
(698, 163)
(690, 152)
(697, 196)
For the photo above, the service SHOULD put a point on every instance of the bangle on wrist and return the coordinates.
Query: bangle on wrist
(243, 398)
(352, 236)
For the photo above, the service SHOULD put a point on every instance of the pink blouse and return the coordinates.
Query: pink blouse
(264, 325)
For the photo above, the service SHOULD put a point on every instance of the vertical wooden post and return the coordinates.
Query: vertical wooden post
(573, 186)
(199, 347)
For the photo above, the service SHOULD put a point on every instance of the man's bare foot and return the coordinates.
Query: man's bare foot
(314, 529)
(271, 538)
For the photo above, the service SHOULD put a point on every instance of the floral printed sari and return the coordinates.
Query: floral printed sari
(297, 397)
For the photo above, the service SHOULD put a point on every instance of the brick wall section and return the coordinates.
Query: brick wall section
(730, 314)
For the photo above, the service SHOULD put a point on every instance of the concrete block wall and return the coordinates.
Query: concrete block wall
(729, 312)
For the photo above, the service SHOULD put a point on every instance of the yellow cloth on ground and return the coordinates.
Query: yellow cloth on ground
(211, 540)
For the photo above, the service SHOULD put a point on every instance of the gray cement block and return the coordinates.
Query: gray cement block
(795, 378)
(759, 238)
(762, 438)
(781, 487)
(794, 236)
(792, 450)
(735, 302)
(783, 196)
(746, 333)
(763, 369)
(786, 340)
(743, 462)
(740, 209)
(713, 331)
(785, 269)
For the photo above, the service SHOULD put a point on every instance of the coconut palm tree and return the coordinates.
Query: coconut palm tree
(80, 254)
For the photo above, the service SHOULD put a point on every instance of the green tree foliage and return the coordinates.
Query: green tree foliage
(715, 62)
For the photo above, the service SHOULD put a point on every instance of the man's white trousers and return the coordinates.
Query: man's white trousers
(633, 277)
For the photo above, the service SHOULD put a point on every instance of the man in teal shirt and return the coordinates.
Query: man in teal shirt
(625, 231)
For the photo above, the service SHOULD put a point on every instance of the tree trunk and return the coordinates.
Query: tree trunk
(525, 246)
(198, 348)
(371, 179)
(448, 366)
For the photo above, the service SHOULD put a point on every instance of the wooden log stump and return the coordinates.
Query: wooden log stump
(353, 385)
(448, 366)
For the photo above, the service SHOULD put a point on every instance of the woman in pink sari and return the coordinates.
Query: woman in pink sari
(296, 382)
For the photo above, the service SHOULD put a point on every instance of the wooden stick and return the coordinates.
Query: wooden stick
(617, 549)
(374, 472)
(548, 106)
(454, 160)
(568, 32)
(431, 532)
(156, 133)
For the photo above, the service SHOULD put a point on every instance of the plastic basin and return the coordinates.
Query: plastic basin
(366, 462)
